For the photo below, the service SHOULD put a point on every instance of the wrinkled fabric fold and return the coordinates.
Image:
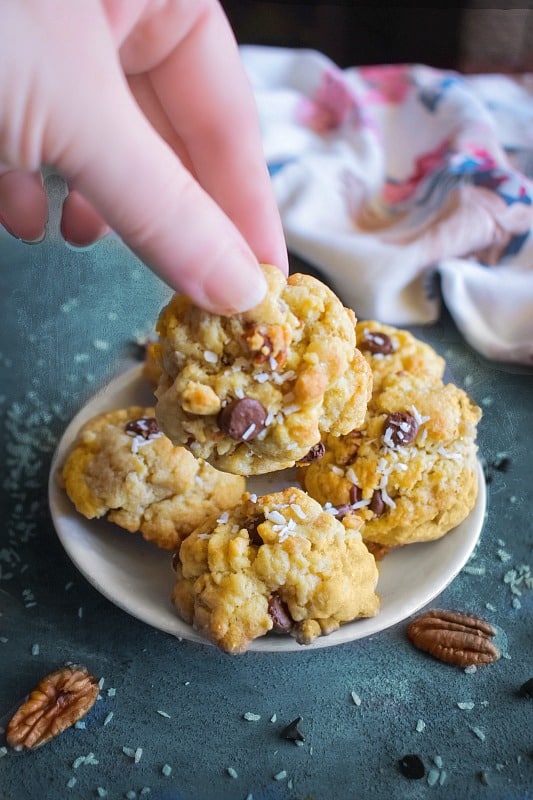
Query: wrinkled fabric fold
(406, 186)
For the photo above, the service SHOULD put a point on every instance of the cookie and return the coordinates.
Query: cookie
(274, 563)
(410, 474)
(390, 350)
(122, 467)
(151, 369)
(253, 393)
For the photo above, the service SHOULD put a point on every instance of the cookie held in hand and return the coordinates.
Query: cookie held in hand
(253, 393)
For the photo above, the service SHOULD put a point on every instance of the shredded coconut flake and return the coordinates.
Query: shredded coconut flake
(418, 416)
(210, 357)
(276, 517)
(298, 510)
(249, 431)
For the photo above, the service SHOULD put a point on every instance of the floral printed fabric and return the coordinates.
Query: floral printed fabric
(406, 185)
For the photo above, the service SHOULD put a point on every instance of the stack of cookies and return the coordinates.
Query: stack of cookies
(384, 455)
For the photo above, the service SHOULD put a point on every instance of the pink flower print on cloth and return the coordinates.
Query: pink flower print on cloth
(399, 191)
(386, 83)
(334, 103)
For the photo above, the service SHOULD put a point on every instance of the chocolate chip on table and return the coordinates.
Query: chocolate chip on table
(315, 453)
(281, 618)
(502, 463)
(242, 419)
(376, 503)
(145, 427)
(412, 767)
(526, 690)
(400, 428)
(376, 342)
(293, 731)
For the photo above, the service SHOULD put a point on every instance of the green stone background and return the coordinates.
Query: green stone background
(69, 323)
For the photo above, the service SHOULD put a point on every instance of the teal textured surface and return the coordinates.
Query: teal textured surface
(69, 323)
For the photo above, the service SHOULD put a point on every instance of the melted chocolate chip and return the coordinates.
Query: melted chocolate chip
(242, 419)
(251, 524)
(376, 503)
(279, 612)
(293, 731)
(175, 561)
(314, 454)
(412, 766)
(145, 427)
(376, 342)
(342, 511)
(355, 493)
(400, 429)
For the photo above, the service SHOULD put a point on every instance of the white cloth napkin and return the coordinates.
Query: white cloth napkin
(406, 185)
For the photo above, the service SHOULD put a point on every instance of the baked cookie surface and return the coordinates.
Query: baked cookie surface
(389, 350)
(122, 467)
(410, 473)
(276, 562)
(252, 393)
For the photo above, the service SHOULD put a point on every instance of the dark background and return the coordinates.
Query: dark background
(469, 37)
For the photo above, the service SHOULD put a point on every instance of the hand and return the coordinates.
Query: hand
(145, 110)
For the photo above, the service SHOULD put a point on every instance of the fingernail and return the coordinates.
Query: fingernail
(34, 240)
(235, 285)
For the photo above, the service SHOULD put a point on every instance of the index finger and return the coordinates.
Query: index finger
(207, 97)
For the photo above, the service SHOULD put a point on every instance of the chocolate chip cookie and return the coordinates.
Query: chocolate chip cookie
(254, 392)
(410, 473)
(124, 468)
(275, 563)
(391, 350)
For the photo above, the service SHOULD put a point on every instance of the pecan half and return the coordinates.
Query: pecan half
(454, 637)
(59, 700)
(268, 341)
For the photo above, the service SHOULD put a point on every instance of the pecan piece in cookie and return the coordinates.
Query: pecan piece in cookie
(268, 342)
(454, 637)
(61, 699)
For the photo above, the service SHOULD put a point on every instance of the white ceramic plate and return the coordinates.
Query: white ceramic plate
(138, 578)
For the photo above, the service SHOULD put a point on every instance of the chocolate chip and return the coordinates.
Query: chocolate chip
(376, 342)
(400, 429)
(145, 427)
(355, 493)
(412, 767)
(314, 454)
(293, 731)
(376, 504)
(279, 612)
(526, 690)
(251, 524)
(342, 511)
(502, 463)
(242, 419)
